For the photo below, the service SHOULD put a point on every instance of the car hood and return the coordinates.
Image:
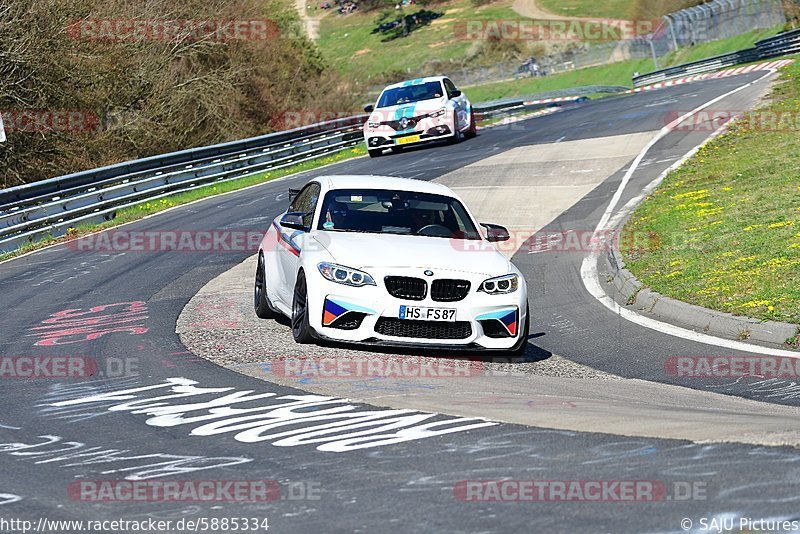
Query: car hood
(362, 251)
(414, 109)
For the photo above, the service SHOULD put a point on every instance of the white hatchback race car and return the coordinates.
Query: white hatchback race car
(418, 111)
(390, 261)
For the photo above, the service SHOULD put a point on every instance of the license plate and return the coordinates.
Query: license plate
(408, 140)
(418, 313)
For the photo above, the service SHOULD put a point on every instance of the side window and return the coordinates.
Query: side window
(449, 86)
(306, 202)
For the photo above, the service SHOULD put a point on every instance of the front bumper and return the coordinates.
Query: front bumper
(427, 130)
(371, 315)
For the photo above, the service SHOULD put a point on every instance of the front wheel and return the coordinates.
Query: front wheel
(375, 153)
(261, 304)
(301, 329)
(473, 128)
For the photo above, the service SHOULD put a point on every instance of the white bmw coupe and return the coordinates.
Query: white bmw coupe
(389, 261)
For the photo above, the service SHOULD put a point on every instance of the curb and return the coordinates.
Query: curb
(713, 75)
(628, 291)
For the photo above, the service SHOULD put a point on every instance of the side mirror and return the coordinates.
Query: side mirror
(369, 109)
(455, 94)
(294, 220)
(293, 193)
(495, 232)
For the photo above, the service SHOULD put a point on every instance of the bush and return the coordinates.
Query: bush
(151, 96)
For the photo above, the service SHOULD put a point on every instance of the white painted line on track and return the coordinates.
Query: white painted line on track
(589, 273)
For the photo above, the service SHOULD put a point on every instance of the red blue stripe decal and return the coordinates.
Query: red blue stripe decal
(286, 241)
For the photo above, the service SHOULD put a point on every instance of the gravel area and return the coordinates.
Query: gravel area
(219, 325)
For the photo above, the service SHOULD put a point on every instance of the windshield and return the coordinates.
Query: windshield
(410, 93)
(383, 211)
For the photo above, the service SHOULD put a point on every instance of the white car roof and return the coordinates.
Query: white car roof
(416, 81)
(359, 181)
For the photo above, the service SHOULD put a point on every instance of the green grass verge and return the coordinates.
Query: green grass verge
(613, 74)
(619, 73)
(140, 211)
(724, 229)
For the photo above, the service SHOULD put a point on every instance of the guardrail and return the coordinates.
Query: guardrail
(781, 44)
(49, 207)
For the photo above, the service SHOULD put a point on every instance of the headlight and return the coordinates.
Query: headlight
(371, 124)
(439, 113)
(500, 285)
(345, 275)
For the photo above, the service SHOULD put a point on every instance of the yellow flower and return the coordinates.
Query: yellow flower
(692, 194)
(755, 304)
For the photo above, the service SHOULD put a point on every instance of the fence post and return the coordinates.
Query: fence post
(672, 32)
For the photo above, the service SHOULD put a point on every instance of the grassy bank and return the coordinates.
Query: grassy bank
(140, 211)
(615, 9)
(347, 44)
(609, 9)
(619, 73)
(724, 229)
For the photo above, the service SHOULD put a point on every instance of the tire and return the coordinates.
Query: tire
(261, 304)
(375, 153)
(301, 329)
(396, 149)
(456, 137)
(473, 128)
(519, 347)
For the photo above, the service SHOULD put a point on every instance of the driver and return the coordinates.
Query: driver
(421, 219)
(336, 215)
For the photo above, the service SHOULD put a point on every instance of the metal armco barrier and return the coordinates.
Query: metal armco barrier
(782, 44)
(49, 207)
